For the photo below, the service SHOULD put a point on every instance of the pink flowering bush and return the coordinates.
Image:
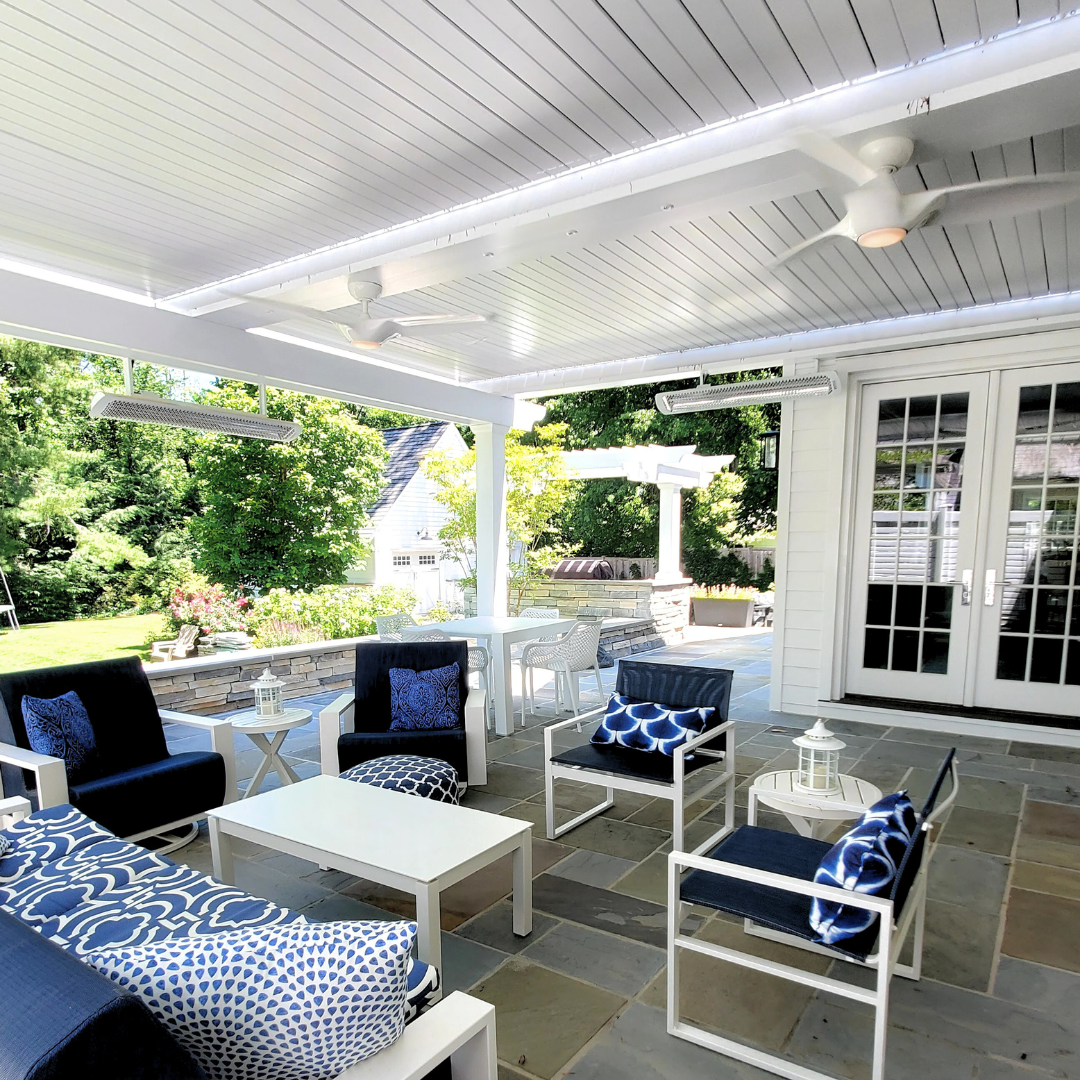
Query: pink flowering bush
(209, 607)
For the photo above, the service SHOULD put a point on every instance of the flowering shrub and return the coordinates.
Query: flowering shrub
(275, 633)
(332, 611)
(209, 607)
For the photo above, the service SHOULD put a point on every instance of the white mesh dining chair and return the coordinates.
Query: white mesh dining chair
(566, 656)
(389, 627)
(479, 657)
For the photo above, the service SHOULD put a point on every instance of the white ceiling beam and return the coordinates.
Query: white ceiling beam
(940, 327)
(59, 314)
(935, 100)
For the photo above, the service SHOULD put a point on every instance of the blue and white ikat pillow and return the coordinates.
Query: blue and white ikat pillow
(60, 727)
(865, 859)
(297, 1002)
(644, 725)
(425, 700)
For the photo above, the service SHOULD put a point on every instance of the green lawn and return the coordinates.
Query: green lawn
(46, 644)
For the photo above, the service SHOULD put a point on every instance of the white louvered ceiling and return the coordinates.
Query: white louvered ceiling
(162, 145)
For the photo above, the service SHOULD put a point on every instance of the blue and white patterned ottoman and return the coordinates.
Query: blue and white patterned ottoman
(428, 777)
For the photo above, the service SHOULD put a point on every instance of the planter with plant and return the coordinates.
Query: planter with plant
(727, 606)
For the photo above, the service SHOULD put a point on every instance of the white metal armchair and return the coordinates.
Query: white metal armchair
(389, 627)
(766, 877)
(566, 656)
(655, 774)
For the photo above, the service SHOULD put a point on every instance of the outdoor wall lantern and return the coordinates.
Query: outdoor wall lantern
(268, 695)
(769, 445)
(819, 760)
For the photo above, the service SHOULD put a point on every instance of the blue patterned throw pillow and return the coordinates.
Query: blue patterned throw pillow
(425, 700)
(297, 1002)
(644, 725)
(60, 728)
(865, 859)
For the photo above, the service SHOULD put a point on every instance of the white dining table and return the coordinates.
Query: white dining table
(499, 633)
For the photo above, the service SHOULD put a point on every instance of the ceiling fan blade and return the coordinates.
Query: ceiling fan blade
(840, 230)
(967, 204)
(437, 320)
(830, 153)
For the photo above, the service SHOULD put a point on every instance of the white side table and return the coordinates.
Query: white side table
(812, 815)
(256, 728)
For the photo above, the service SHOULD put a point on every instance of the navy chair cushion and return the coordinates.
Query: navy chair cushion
(448, 744)
(374, 659)
(628, 762)
(59, 727)
(138, 799)
(645, 725)
(118, 701)
(59, 1018)
(780, 853)
(865, 859)
(425, 700)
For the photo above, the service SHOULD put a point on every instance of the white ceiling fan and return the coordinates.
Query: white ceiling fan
(878, 215)
(370, 332)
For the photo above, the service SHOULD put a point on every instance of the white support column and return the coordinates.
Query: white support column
(491, 552)
(667, 565)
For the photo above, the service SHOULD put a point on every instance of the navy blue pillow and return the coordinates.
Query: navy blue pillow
(644, 725)
(865, 859)
(425, 700)
(60, 728)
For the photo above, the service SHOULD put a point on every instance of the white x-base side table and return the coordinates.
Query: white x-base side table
(257, 728)
(812, 814)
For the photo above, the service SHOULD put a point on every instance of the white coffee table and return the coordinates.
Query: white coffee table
(403, 841)
(812, 814)
(256, 728)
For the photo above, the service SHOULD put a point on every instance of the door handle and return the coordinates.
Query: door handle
(966, 582)
(990, 583)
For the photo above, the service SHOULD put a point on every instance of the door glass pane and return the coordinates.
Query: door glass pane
(915, 523)
(1039, 605)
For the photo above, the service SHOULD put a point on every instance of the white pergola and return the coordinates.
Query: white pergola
(671, 468)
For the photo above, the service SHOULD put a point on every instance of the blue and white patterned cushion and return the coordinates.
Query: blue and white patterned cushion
(865, 859)
(46, 836)
(299, 1002)
(428, 777)
(5, 846)
(644, 725)
(60, 728)
(425, 700)
(422, 983)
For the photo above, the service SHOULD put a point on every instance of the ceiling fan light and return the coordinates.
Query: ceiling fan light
(879, 238)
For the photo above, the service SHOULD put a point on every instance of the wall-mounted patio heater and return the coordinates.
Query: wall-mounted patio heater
(752, 392)
(147, 408)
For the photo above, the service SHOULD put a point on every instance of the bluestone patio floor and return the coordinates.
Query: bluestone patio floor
(583, 996)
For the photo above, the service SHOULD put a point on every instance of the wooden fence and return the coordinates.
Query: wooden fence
(753, 557)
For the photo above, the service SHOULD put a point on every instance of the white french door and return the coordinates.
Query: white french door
(919, 478)
(1028, 655)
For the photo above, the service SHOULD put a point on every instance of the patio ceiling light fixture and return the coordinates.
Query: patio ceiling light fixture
(148, 408)
(751, 392)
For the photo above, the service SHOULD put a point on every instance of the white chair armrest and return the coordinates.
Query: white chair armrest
(698, 741)
(459, 1027)
(476, 737)
(584, 718)
(50, 774)
(680, 860)
(221, 741)
(16, 808)
(330, 724)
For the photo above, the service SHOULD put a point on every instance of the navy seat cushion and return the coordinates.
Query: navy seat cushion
(137, 799)
(627, 761)
(780, 853)
(118, 701)
(61, 1018)
(446, 743)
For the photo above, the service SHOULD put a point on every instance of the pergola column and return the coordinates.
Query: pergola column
(491, 551)
(667, 564)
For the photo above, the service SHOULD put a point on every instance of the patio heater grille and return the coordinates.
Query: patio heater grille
(754, 392)
(153, 409)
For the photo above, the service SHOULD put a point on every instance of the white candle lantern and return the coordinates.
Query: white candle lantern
(819, 760)
(268, 695)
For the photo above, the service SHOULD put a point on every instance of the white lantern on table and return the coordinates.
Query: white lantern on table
(268, 695)
(819, 760)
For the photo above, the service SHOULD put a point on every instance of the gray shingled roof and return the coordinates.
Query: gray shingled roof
(406, 446)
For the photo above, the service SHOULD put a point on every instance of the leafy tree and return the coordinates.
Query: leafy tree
(537, 491)
(618, 517)
(285, 514)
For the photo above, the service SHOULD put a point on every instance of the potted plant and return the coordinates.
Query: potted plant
(727, 606)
